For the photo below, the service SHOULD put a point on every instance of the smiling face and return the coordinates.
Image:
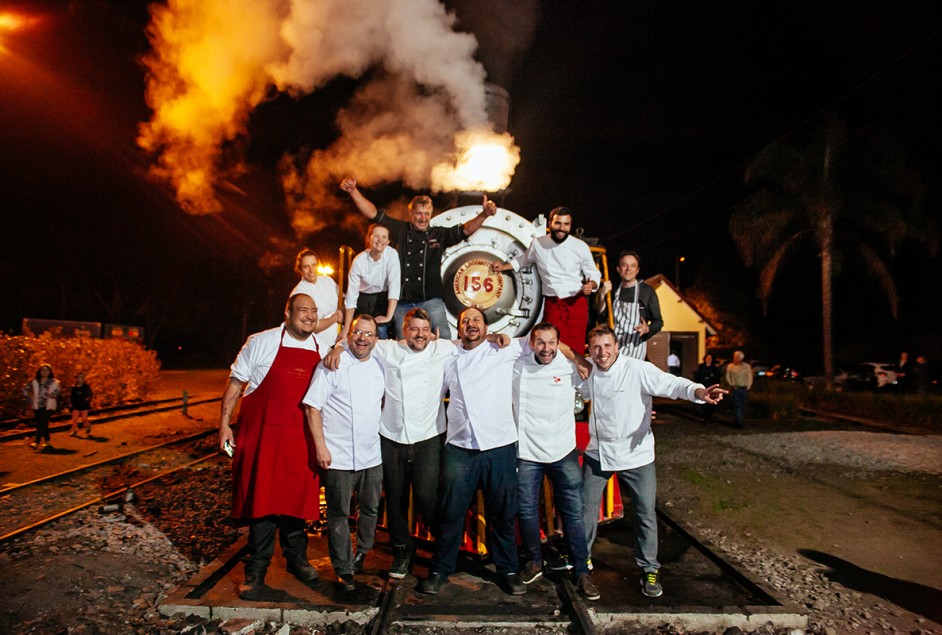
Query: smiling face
(604, 350)
(472, 327)
(308, 268)
(560, 226)
(544, 343)
(378, 240)
(301, 317)
(420, 215)
(362, 337)
(628, 268)
(417, 334)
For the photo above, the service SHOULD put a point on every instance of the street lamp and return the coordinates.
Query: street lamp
(677, 262)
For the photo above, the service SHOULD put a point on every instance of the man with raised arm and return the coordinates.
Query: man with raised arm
(273, 486)
(567, 273)
(420, 248)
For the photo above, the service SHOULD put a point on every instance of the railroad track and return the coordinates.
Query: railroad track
(14, 428)
(103, 482)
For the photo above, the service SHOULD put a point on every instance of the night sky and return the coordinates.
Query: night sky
(641, 116)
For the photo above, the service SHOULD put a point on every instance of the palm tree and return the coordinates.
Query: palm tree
(857, 198)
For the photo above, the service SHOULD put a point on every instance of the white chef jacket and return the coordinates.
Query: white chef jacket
(480, 414)
(620, 434)
(349, 399)
(543, 399)
(413, 410)
(372, 276)
(325, 293)
(562, 266)
(257, 354)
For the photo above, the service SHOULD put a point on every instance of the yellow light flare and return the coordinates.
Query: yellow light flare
(325, 270)
(486, 162)
(11, 23)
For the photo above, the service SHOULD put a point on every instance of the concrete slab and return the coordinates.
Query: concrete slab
(700, 594)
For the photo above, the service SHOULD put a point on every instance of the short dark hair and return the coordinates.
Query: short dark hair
(600, 330)
(545, 326)
(479, 310)
(559, 211)
(626, 252)
(417, 312)
(304, 253)
(363, 316)
(289, 306)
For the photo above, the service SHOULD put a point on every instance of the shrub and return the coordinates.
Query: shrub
(118, 371)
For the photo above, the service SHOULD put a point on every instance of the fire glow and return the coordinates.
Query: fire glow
(485, 162)
(423, 91)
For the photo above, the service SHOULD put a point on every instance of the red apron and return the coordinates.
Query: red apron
(571, 317)
(272, 466)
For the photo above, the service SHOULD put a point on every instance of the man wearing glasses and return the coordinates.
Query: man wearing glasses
(342, 408)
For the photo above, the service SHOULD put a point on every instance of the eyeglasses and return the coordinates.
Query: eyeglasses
(358, 332)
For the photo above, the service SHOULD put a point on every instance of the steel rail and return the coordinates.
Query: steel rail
(114, 459)
(101, 499)
(19, 434)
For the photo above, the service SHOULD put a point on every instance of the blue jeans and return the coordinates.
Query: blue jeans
(462, 471)
(339, 488)
(641, 482)
(436, 310)
(740, 397)
(566, 477)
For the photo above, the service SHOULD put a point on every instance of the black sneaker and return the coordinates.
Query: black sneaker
(358, 562)
(303, 571)
(587, 588)
(252, 588)
(650, 585)
(432, 584)
(347, 582)
(559, 564)
(512, 584)
(531, 571)
(402, 559)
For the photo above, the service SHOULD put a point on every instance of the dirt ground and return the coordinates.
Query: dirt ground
(836, 499)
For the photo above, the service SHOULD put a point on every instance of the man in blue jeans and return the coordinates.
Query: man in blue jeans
(621, 440)
(420, 247)
(544, 395)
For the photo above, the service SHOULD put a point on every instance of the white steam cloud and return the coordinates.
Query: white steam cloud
(214, 61)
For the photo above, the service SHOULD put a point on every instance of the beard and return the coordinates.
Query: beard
(558, 236)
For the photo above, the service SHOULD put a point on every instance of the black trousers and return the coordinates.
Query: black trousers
(42, 424)
(416, 467)
(262, 542)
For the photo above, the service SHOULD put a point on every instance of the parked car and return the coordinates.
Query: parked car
(871, 375)
(784, 371)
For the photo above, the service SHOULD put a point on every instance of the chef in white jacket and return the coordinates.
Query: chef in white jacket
(621, 440)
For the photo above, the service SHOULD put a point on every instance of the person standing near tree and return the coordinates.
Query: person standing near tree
(707, 374)
(80, 400)
(43, 395)
(739, 377)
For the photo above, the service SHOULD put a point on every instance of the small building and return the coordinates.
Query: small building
(685, 330)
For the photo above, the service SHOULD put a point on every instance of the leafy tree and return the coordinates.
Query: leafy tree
(849, 198)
